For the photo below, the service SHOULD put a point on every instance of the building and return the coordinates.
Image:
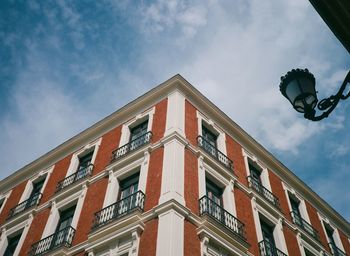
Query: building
(169, 174)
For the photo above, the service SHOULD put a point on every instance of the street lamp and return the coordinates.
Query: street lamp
(298, 86)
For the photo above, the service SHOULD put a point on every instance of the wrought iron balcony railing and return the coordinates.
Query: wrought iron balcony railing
(131, 146)
(62, 238)
(335, 250)
(216, 212)
(268, 249)
(121, 208)
(258, 187)
(299, 221)
(30, 202)
(79, 175)
(214, 152)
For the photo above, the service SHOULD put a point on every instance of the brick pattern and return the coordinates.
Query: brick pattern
(245, 215)
(191, 123)
(93, 203)
(12, 201)
(191, 181)
(191, 240)
(154, 178)
(59, 172)
(148, 240)
(291, 241)
(234, 152)
(35, 231)
(159, 120)
(316, 224)
(345, 242)
(110, 142)
(278, 190)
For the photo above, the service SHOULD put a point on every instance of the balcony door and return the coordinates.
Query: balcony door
(127, 197)
(84, 162)
(210, 141)
(62, 229)
(136, 133)
(294, 203)
(214, 204)
(269, 241)
(12, 243)
(35, 194)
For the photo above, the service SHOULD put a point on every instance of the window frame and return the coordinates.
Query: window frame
(205, 171)
(138, 119)
(211, 126)
(44, 174)
(336, 236)
(87, 149)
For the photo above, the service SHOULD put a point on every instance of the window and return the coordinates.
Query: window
(255, 173)
(267, 233)
(308, 253)
(294, 204)
(138, 130)
(214, 193)
(66, 218)
(35, 194)
(12, 244)
(129, 186)
(2, 200)
(85, 161)
(209, 136)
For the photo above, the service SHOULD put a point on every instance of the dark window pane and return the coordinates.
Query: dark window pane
(66, 218)
(138, 130)
(209, 136)
(129, 186)
(214, 192)
(85, 161)
(12, 244)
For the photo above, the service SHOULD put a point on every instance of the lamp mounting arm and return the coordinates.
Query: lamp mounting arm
(329, 104)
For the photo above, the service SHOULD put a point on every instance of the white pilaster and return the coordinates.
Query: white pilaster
(175, 118)
(170, 239)
(173, 172)
(201, 178)
(112, 189)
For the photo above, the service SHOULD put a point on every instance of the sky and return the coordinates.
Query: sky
(67, 64)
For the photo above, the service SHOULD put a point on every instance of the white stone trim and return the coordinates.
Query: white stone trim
(170, 238)
(77, 199)
(304, 245)
(173, 172)
(74, 162)
(278, 226)
(117, 174)
(175, 117)
(336, 235)
(264, 176)
(8, 232)
(29, 186)
(206, 171)
(221, 140)
(125, 134)
(4, 198)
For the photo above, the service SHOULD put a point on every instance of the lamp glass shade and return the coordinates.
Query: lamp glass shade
(298, 86)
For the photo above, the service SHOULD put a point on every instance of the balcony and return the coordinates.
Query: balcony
(62, 238)
(335, 250)
(131, 146)
(268, 249)
(71, 179)
(217, 213)
(264, 192)
(119, 209)
(30, 202)
(299, 221)
(214, 152)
